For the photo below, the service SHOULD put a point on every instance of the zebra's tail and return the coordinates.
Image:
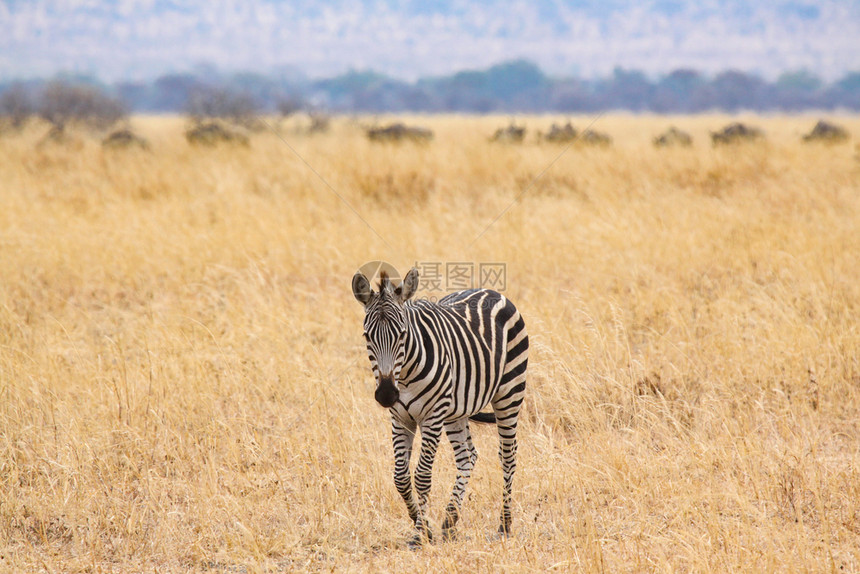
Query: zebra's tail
(483, 418)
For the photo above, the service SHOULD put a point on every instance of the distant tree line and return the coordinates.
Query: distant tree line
(60, 103)
(516, 86)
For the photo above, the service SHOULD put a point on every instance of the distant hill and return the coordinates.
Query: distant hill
(142, 39)
(514, 86)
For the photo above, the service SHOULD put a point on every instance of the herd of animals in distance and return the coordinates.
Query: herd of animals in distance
(211, 133)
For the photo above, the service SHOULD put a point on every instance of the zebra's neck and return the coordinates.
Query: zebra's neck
(415, 359)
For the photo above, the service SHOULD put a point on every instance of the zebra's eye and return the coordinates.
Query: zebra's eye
(366, 336)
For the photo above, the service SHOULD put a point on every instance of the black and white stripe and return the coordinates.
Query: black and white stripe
(436, 365)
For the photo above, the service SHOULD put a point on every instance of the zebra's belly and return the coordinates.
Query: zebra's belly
(470, 397)
(447, 401)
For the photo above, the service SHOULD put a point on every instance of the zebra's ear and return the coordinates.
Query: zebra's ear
(409, 285)
(361, 288)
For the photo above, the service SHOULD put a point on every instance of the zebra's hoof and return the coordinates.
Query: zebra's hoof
(415, 543)
(500, 534)
(419, 539)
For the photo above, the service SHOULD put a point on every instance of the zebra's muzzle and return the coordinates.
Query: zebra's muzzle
(386, 393)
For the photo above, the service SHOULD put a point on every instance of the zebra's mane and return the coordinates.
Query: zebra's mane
(384, 281)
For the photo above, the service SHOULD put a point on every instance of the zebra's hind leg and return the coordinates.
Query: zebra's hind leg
(465, 456)
(507, 410)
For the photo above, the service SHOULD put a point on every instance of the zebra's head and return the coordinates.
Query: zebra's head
(385, 329)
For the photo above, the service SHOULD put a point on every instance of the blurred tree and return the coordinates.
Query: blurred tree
(845, 92)
(517, 85)
(507, 80)
(799, 80)
(206, 103)
(373, 92)
(16, 107)
(289, 105)
(63, 103)
(735, 90)
(572, 95)
(172, 91)
(138, 95)
(626, 89)
(263, 89)
(680, 91)
(466, 91)
(797, 90)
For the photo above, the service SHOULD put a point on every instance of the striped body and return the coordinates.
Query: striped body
(457, 355)
(436, 365)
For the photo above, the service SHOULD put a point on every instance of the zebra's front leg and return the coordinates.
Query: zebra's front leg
(430, 433)
(465, 456)
(403, 435)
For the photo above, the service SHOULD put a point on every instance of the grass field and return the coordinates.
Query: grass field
(184, 385)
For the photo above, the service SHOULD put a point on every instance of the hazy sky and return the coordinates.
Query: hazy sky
(141, 39)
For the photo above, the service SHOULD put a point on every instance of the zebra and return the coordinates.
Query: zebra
(436, 366)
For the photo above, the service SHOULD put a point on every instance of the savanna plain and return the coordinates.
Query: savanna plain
(184, 385)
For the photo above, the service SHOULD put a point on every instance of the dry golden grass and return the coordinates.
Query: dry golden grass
(184, 386)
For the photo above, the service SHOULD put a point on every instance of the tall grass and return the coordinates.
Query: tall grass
(183, 383)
